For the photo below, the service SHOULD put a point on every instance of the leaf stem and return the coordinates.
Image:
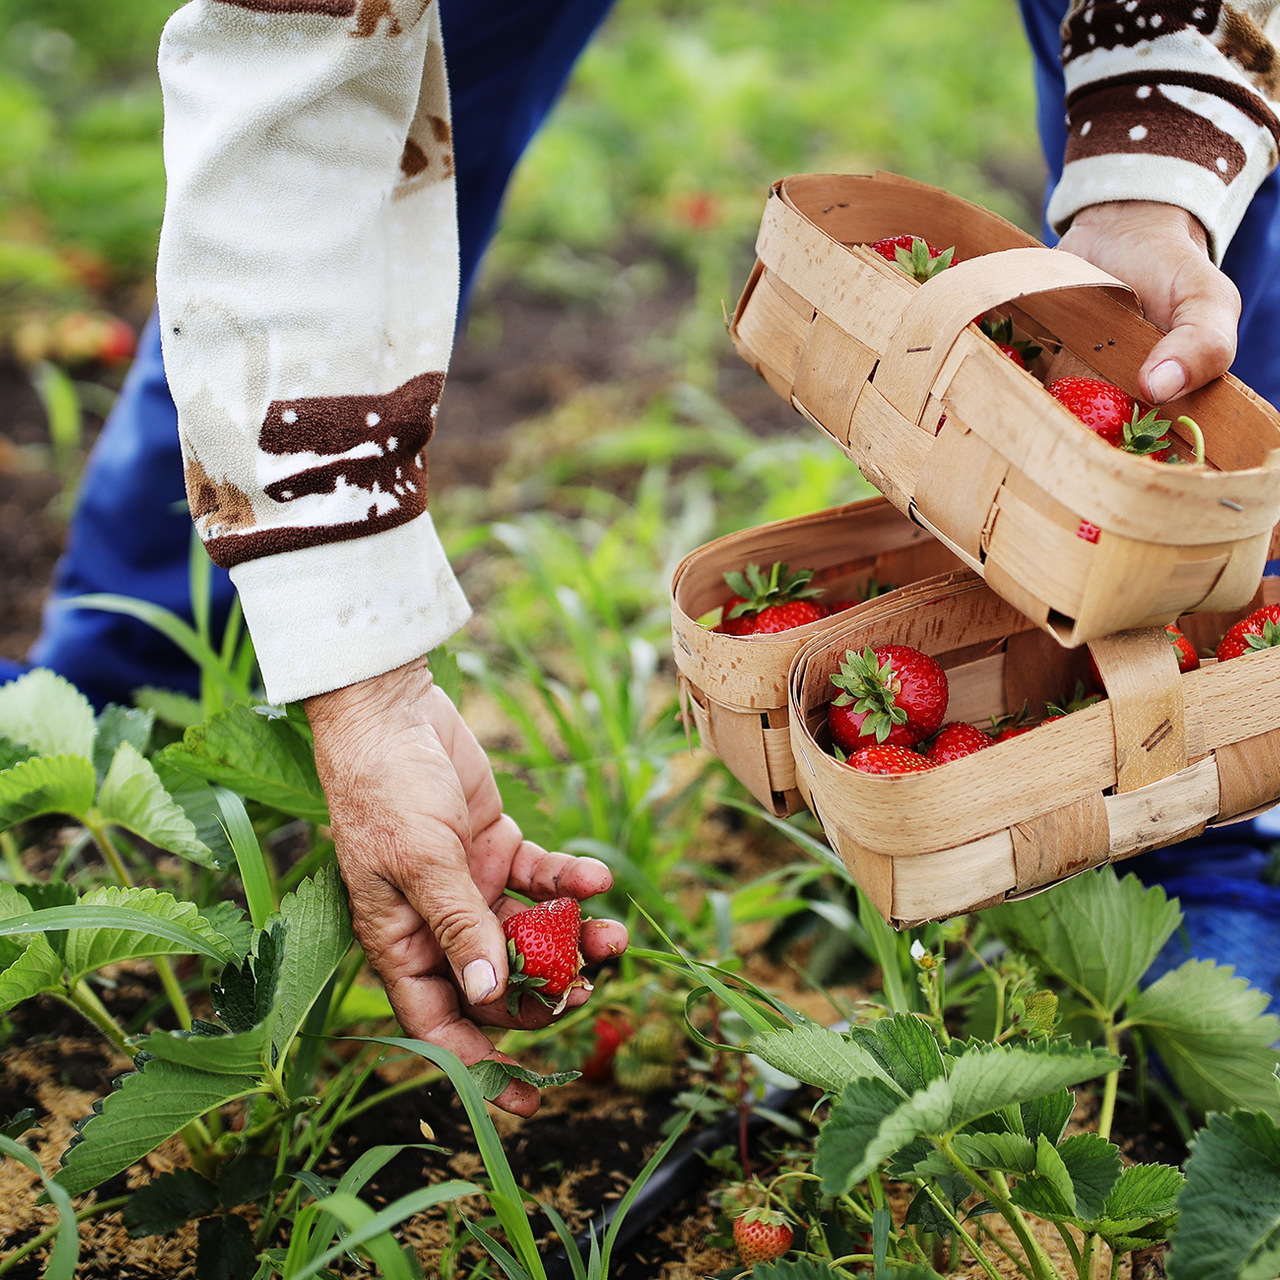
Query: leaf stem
(969, 1242)
(85, 1002)
(1111, 1085)
(39, 1241)
(1197, 438)
(13, 859)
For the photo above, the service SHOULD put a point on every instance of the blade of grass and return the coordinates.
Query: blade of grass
(255, 874)
(65, 1252)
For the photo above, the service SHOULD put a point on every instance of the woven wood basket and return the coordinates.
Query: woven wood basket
(1162, 756)
(973, 447)
(734, 688)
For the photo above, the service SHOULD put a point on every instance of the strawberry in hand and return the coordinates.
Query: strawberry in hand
(892, 694)
(914, 255)
(764, 604)
(542, 948)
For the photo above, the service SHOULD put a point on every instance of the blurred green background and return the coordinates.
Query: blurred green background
(677, 119)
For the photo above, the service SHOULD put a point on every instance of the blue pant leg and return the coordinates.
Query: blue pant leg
(130, 534)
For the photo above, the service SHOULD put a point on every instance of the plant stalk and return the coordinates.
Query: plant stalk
(969, 1242)
(39, 1241)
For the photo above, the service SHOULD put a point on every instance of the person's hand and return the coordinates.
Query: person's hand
(428, 855)
(1160, 251)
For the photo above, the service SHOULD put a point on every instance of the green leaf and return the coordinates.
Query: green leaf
(149, 1107)
(169, 707)
(1048, 1193)
(868, 1124)
(1093, 1164)
(1048, 1114)
(244, 995)
(1144, 1193)
(199, 801)
(167, 1201)
(65, 1253)
(905, 1047)
(48, 714)
(258, 757)
(808, 1269)
(46, 784)
(446, 673)
(1229, 1212)
(246, 1178)
(984, 1080)
(133, 797)
(318, 937)
(492, 1076)
(239, 1054)
(116, 725)
(12, 753)
(1007, 1152)
(818, 1056)
(28, 964)
(112, 924)
(224, 1248)
(1098, 933)
(228, 919)
(1213, 1034)
(17, 1124)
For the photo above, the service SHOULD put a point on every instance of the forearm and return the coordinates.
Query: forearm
(307, 284)
(1169, 105)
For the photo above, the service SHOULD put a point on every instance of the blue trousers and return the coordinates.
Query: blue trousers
(508, 60)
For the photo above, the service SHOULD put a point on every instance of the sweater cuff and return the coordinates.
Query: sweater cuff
(1166, 143)
(328, 616)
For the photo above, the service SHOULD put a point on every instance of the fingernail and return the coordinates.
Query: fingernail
(1166, 381)
(478, 980)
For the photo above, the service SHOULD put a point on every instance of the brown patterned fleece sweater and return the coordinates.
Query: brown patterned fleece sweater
(308, 277)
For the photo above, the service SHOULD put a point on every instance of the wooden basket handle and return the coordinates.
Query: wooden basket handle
(940, 309)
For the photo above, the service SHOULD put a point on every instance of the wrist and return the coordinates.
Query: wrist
(1151, 217)
(367, 701)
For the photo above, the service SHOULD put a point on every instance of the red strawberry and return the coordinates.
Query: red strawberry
(914, 255)
(955, 740)
(609, 1031)
(1188, 658)
(1011, 726)
(761, 1236)
(1114, 415)
(893, 694)
(769, 603)
(542, 948)
(1000, 331)
(1260, 630)
(888, 758)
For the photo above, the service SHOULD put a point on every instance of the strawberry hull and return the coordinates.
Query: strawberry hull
(734, 688)
(1163, 755)
(973, 447)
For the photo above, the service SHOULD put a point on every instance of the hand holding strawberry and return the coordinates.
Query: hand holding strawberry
(542, 953)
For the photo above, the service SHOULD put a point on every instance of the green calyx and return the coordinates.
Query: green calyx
(1268, 638)
(1000, 329)
(760, 590)
(1146, 433)
(918, 264)
(872, 687)
(520, 983)
(1079, 700)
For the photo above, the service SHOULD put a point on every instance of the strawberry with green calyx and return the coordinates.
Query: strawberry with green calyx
(1260, 630)
(1000, 331)
(1114, 415)
(888, 758)
(955, 740)
(1078, 702)
(543, 953)
(1188, 658)
(914, 255)
(1147, 435)
(1011, 726)
(892, 694)
(766, 603)
(762, 1235)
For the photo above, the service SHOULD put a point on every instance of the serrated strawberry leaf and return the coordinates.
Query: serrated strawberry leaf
(1229, 1211)
(245, 993)
(819, 1056)
(116, 725)
(1213, 1034)
(492, 1076)
(148, 1107)
(905, 1047)
(46, 784)
(167, 1201)
(47, 713)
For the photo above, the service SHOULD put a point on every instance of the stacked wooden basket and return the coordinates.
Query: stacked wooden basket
(995, 481)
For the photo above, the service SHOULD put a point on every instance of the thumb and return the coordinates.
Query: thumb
(1203, 316)
(440, 887)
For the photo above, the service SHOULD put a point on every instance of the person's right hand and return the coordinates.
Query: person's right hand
(1161, 251)
(428, 857)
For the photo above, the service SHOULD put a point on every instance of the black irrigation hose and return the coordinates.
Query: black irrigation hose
(674, 1178)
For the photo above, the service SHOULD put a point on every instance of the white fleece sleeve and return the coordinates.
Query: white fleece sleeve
(1174, 101)
(308, 283)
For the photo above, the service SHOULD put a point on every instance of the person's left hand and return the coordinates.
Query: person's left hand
(1160, 251)
(430, 860)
